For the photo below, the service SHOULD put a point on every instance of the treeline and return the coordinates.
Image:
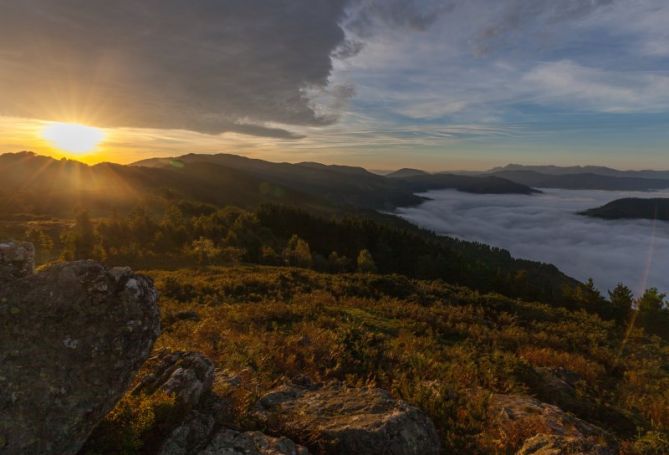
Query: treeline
(187, 233)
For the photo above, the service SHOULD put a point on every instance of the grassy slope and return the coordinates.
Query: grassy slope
(441, 347)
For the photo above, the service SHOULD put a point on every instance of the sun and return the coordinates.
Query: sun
(73, 137)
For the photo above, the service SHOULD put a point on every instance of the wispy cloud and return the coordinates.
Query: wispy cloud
(568, 83)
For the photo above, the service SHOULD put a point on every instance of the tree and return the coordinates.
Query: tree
(337, 263)
(366, 262)
(43, 243)
(622, 299)
(204, 250)
(269, 256)
(588, 295)
(653, 312)
(81, 240)
(298, 253)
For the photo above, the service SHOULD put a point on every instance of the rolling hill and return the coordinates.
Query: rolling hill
(632, 208)
(40, 185)
(344, 186)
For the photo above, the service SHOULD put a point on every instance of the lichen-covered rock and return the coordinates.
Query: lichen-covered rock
(336, 419)
(189, 376)
(569, 391)
(192, 435)
(16, 260)
(546, 444)
(230, 442)
(72, 338)
(517, 413)
(186, 375)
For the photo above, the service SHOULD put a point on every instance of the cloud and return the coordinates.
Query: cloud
(287, 69)
(546, 228)
(210, 66)
(564, 81)
(512, 17)
(366, 17)
(642, 25)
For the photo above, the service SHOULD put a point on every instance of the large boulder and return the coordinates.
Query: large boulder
(72, 338)
(335, 419)
(546, 429)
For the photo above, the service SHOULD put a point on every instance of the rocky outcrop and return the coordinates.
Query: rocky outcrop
(335, 419)
(549, 430)
(230, 442)
(189, 377)
(186, 375)
(16, 260)
(72, 338)
(196, 436)
(548, 444)
(569, 391)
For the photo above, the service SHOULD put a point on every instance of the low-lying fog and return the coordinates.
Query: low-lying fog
(545, 227)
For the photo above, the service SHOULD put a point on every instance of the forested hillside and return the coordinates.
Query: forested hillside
(632, 208)
(39, 185)
(187, 234)
(344, 185)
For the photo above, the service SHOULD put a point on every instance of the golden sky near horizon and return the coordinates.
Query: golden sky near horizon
(127, 145)
(376, 83)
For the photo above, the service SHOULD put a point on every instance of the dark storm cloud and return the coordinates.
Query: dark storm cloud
(547, 228)
(216, 65)
(208, 65)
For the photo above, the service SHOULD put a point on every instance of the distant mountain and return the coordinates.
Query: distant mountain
(31, 183)
(567, 170)
(639, 208)
(339, 185)
(406, 172)
(484, 184)
(583, 181)
(344, 185)
(419, 181)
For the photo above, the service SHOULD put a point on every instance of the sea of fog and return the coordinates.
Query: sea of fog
(546, 227)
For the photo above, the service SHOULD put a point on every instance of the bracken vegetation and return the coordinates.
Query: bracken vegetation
(441, 347)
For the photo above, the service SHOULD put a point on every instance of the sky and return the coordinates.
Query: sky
(547, 228)
(432, 84)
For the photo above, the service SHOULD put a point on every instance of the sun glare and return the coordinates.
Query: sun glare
(72, 137)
